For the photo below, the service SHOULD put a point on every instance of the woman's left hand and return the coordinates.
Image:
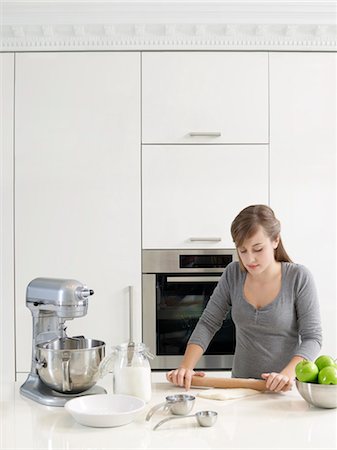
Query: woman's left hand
(277, 382)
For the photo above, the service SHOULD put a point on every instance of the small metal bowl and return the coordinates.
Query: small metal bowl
(206, 418)
(179, 404)
(320, 395)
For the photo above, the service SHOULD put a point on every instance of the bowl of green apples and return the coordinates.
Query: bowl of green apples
(316, 381)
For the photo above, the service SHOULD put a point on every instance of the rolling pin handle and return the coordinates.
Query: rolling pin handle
(226, 383)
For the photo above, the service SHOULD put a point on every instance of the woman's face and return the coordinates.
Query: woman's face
(257, 252)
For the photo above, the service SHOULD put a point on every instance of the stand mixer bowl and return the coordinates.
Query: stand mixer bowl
(69, 365)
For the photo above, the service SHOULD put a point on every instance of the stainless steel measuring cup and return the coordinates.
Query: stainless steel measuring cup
(179, 404)
(204, 418)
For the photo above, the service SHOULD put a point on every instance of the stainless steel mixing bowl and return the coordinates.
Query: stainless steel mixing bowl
(70, 365)
(320, 395)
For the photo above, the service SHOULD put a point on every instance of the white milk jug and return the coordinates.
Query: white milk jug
(132, 371)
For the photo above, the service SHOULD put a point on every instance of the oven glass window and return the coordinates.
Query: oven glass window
(204, 261)
(181, 300)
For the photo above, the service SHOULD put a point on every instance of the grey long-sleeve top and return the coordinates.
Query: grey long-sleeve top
(266, 338)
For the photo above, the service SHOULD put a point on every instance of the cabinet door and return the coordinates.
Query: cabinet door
(196, 191)
(77, 186)
(303, 168)
(205, 97)
(7, 350)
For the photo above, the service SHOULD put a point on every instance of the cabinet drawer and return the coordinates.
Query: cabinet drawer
(205, 97)
(191, 193)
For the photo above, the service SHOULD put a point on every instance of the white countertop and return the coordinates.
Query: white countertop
(273, 421)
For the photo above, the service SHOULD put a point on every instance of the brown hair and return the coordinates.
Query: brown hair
(247, 222)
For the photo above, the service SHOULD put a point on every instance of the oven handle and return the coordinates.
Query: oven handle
(205, 239)
(191, 279)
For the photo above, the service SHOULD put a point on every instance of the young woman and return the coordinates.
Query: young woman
(273, 303)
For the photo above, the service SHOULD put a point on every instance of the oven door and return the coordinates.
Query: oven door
(172, 305)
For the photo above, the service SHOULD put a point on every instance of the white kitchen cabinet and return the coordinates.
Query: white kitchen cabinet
(205, 97)
(303, 168)
(77, 186)
(7, 326)
(195, 191)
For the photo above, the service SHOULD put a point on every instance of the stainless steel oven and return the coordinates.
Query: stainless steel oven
(177, 285)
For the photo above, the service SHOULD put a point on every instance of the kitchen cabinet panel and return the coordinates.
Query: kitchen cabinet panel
(224, 94)
(77, 186)
(303, 132)
(195, 191)
(7, 326)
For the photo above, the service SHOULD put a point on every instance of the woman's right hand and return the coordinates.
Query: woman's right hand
(183, 376)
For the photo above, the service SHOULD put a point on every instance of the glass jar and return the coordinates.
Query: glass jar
(132, 371)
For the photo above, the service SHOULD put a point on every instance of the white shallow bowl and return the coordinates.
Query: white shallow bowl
(105, 410)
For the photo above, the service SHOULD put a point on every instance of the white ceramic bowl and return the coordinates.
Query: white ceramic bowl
(105, 410)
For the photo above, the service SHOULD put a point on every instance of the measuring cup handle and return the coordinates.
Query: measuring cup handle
(171, 418)
(106, 365)
(154, 409)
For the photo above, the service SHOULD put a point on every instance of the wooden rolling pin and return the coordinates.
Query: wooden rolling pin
(251, 383)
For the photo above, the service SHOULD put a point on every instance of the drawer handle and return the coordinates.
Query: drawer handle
(205, 239)
(205, 133)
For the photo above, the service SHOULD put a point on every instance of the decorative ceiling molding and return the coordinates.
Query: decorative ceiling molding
(55, 26)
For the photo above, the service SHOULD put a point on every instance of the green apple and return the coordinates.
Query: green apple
(324, 361)
(306, 371)
(328, 375)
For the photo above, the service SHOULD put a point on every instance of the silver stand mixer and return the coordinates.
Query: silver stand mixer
(62, 367)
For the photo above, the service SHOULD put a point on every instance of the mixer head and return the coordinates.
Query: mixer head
(65, 298)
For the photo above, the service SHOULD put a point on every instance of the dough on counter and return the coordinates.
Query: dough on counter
(227, 394)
